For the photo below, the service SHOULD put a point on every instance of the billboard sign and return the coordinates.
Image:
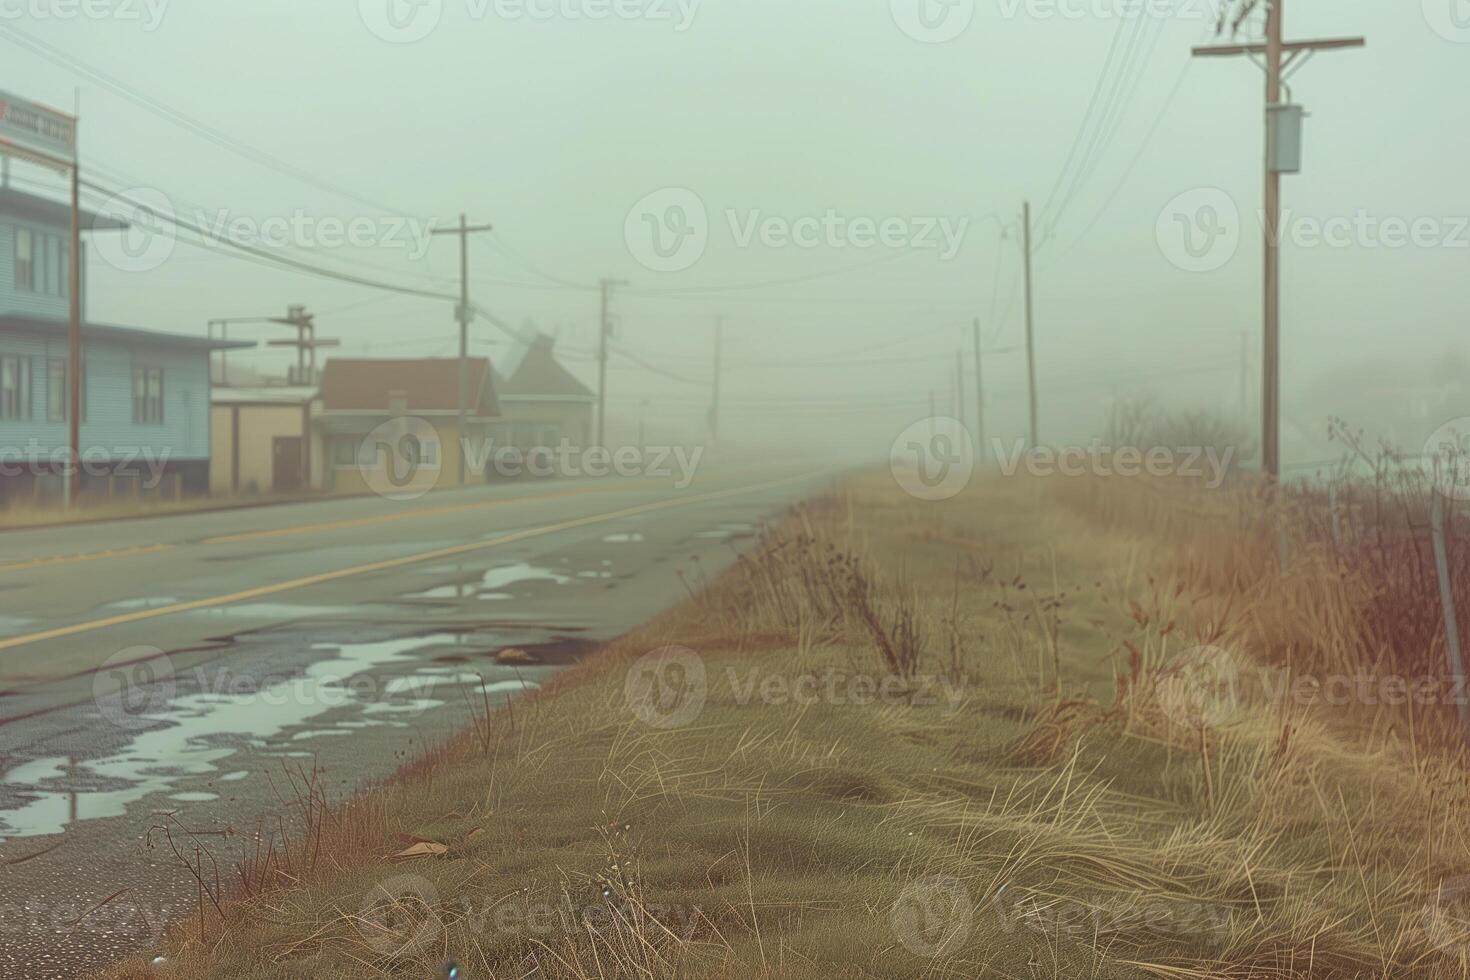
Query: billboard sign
(34, 130)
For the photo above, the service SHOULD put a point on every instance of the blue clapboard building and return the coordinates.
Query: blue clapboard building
(145, 394)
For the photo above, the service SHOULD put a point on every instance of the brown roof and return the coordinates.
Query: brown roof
(425, 385)
(539, 374)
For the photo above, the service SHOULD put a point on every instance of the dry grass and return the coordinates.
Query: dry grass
(899, 740)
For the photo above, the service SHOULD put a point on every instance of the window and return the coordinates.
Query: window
(344, 452)
(54, 279)
(40, 262)
(57, 396)
(148, 395)
(15, 388)
(25, 260)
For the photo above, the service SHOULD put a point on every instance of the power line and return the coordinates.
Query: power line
(183, 120)
(265, 255)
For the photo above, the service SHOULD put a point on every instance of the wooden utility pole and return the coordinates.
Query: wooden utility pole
(604, 328)
(74, 343)
(959, 386)
(1030, 322)
(714, 411)
(1280, 58)
(979, 399)
(464, 230)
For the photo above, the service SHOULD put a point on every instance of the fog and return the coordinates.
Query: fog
(860, 184)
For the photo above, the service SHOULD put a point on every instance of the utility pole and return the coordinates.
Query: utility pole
(1030, 331)
(1245, 368)
(306, 342)
(959, 385)
(1283, 150)
(604, 329)
(73, 487)
(979, 399)
(464, 230)
(714, 411)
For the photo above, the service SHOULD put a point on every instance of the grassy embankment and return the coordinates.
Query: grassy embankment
(913, 739)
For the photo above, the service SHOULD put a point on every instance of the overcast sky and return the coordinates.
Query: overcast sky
(741, 119)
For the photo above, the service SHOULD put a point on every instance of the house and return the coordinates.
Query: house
(540, 401)
(383, 421)
(144, 394)
(264, 440)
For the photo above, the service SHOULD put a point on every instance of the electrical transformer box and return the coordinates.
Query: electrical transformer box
(1284, 138)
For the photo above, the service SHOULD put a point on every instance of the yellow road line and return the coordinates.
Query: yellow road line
(152, 549)
(403, 515)
(381, 566)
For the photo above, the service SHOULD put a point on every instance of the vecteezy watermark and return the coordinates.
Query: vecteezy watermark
(1450, 19)
(146, 464)
(153, 225)
(407, 21)
(148, 14)
(1446, 459)
(933, 459)
(401, 916)
(132, 686)
(565, 918)
(670, 229)
(1201, 230)
(401, 459)
(1078, 10)
(935, 916)
(667, 688)
(125, 916)
(933, 21)
(1207, 463)
(678, 464)
(1366, 690)
(1201, 688)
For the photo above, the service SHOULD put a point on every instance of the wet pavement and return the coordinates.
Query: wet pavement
(201, 719)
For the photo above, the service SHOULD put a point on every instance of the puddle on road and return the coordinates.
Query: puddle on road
(728, 532)
(493, 582)
(198, 731)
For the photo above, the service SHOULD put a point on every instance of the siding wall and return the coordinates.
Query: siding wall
(107, 425)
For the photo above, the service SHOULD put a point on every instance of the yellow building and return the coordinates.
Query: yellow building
(262, 440)
(391, 426)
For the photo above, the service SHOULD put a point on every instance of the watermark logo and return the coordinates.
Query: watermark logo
(933, 459)
(1446, 459)
(148, 13)
(150, 236)
(667, 688)
(401, 915)
(1200, 688)
(668, 230)
(1209, 464)
(933, 21)
(401, 21)
(1200, 230)
(1450, 19)
(933, 917)
(132, 686)
(401, 459)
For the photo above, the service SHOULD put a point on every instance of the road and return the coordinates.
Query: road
(169, 670)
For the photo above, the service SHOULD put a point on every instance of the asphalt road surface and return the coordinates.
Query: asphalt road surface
(171, 671)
